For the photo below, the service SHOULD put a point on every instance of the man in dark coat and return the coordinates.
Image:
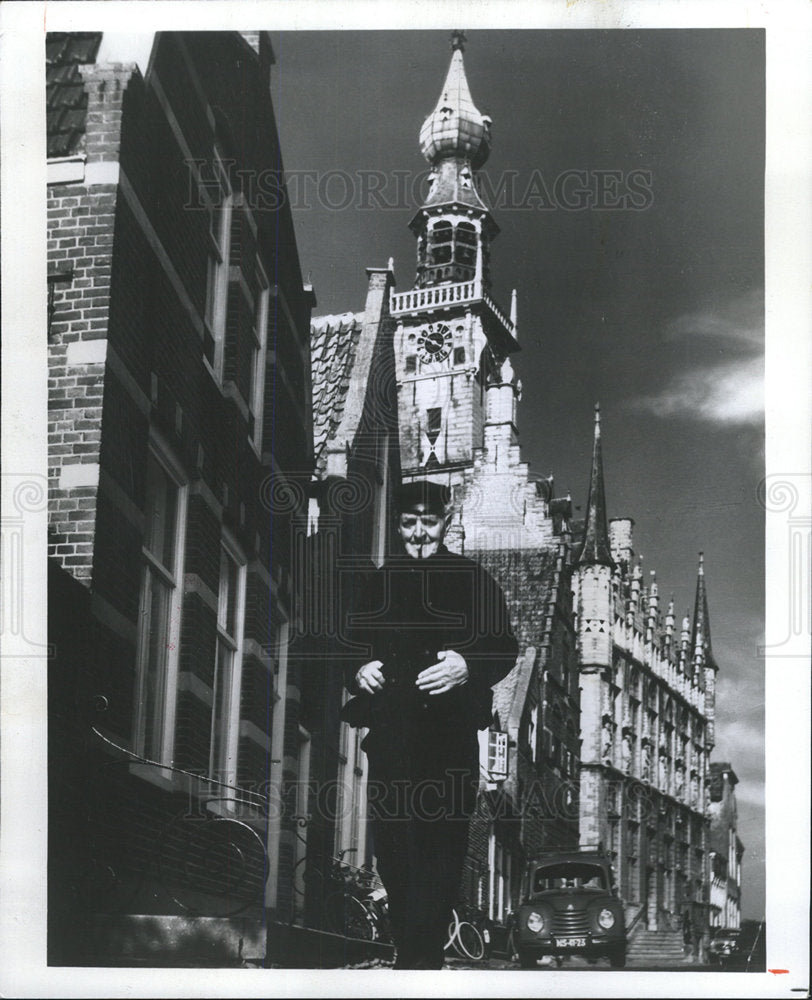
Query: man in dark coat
(436, 636)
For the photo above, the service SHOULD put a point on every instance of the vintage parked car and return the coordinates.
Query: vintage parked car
(725, 946)
(569, 906)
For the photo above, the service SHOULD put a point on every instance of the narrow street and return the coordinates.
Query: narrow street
(574, 964)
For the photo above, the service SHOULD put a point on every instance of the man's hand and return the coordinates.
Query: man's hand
(448, 673)
(370, 678)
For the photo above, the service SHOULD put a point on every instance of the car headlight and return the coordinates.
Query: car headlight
(535, 922)
(606, 919)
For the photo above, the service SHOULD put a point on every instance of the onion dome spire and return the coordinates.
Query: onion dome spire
(456, 128)
(701, 635)
(595, 548)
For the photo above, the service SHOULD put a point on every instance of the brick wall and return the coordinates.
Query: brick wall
(80, 235)
(128, 269)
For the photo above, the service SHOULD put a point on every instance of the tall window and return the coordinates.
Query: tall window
(159, 632)
(225, 713)
(380, 519)
(500, 877)
(350, 830)
(258, 352)
(220, 207)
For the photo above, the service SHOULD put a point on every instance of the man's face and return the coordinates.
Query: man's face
(422, 530)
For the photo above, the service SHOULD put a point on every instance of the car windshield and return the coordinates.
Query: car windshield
(570, 875)
(726, 935)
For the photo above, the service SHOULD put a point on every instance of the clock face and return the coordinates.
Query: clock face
(434, 342)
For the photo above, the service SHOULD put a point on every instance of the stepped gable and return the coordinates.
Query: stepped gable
(66, 98)
(333, 343)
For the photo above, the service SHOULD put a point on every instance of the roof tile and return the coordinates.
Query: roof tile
(333, 340)
(65, 52)
(520, 571)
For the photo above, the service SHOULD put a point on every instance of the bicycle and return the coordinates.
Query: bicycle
(350, 901)
(313, 874)
(358, 909)
(464, 938)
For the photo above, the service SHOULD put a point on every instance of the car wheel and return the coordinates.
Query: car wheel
(527, 959)
(617, 958)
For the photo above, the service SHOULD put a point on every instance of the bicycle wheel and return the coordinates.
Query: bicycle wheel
(346, 915)
(452, 933)
(470, 941)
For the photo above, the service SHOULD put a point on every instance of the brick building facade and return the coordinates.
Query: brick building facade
(178, 351)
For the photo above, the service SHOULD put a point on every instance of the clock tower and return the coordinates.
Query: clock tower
(456, 388)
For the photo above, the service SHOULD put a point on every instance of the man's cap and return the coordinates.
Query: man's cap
(433, 496)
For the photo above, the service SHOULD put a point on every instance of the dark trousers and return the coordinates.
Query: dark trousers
(422, 793)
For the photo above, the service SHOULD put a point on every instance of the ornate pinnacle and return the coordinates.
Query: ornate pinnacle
(595, 547)
(458, 40)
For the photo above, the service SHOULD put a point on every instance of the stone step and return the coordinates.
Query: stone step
(666, 945)
(667, 942)
(662, 949)
(655, 951)
(661, 945)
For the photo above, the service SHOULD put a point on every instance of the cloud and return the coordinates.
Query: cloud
(740, 322)
(728, 392)
(749, 793)
(741, 740)
(731, 393)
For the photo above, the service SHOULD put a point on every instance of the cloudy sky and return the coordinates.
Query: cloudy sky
(648, 299)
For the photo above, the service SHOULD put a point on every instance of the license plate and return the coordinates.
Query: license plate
(571, 942)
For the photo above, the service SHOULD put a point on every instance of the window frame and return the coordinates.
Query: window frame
(497, 758)
(466, 238)
(381, 515)
(217, 269)
(161, 752)
(351, 777)
(441, 243)
(259, 332)
(225, 745)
